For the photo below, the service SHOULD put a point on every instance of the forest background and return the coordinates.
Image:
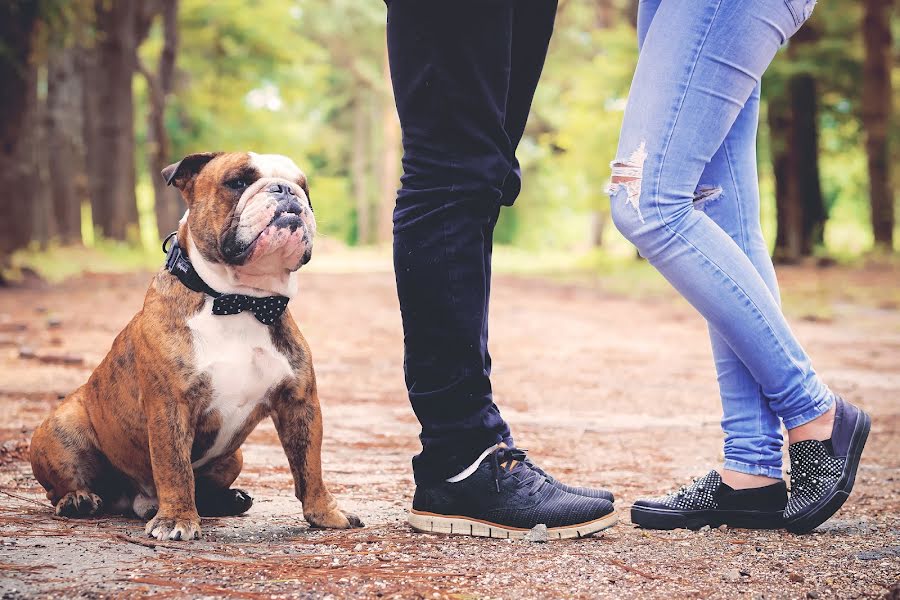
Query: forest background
(99, 95)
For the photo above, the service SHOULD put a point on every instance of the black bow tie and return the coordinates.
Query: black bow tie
(267, 310)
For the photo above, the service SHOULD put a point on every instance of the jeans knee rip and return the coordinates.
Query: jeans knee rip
(706, 194)
(626, 174)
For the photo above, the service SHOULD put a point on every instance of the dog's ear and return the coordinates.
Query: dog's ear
(180, 173)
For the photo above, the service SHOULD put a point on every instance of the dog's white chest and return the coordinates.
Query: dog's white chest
(237, 354)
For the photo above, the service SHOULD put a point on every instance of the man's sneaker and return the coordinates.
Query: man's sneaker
(578, 491)
(709, 501)
(823, 473)
(505, 498)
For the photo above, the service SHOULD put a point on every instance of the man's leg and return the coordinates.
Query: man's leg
(450, 73)
(456, 81)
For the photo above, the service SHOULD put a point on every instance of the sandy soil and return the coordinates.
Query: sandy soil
(601, 388)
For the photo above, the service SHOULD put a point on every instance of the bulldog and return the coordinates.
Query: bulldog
(156, 430)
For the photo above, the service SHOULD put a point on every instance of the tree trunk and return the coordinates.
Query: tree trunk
(793, 120)
(167, 200)
(358, 168)
(390, 157)
(605, 14)
(804, 151)
(876, 116)
(90, 123)
(111, 139)
(65, 142)
(40, 194)
(19, 88)
(788, 238)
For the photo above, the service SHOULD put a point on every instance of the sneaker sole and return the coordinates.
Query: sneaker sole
(816, 514)
(660, 518)
(426, 522)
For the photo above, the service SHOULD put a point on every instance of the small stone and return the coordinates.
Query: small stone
(538, 534)
(54, 322)
(732, 575)
(796, 578)
(723, 527)
(812, 595)
(705, 528)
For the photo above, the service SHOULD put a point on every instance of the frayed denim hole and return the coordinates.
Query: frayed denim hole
(627, 174)
(706, 194)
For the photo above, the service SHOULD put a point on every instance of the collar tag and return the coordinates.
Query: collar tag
(180, 266)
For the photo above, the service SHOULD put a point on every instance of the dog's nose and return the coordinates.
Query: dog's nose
(280, 190)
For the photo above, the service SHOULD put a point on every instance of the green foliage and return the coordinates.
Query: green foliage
(572, 135)
(283, 75)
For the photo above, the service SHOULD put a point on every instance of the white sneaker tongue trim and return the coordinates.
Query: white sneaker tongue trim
(473, 467)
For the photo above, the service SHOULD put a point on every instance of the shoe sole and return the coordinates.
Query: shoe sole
(660, 518)
(816, 514)
(426, 522)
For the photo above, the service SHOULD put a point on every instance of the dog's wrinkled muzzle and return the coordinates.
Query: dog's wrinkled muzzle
(276, 218)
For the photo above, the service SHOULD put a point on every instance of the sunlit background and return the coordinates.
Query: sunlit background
(113, 90)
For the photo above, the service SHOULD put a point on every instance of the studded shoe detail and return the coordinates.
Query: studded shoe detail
(709, 501)
(823, 472)
(820, 472)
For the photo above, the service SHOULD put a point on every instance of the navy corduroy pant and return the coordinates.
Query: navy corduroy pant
(464, 73)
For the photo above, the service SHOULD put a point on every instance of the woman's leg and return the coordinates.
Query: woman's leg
(728, 193)
(688, 92)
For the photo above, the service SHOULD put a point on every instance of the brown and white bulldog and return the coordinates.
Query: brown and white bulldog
(158, 426)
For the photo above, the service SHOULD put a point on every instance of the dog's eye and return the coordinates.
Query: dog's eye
(238, 183)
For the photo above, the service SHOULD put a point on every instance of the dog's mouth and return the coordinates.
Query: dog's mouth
(287, 214)
(234, 252)
(286, 226)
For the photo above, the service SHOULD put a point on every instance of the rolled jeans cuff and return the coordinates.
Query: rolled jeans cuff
(749, 469)
(818, 409)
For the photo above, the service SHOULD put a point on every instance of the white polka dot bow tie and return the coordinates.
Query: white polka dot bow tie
(266, 310)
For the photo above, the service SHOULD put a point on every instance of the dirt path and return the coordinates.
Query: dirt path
(600, 388)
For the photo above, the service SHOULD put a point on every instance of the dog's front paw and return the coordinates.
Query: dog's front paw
(163, 527)
(334, 519)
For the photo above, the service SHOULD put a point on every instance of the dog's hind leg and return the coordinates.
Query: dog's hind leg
(212, 484)
(66, 461)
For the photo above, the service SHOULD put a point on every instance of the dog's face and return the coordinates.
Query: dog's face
(250, 212)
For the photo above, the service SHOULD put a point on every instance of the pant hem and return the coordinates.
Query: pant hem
(819, 409)
(447, 461)
(753, 469)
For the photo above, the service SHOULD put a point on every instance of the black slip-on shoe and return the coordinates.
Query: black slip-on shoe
(709, 501)
(823, 472)
(505, 498)
(578, 491)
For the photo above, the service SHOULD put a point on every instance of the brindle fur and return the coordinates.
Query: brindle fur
(141, 418)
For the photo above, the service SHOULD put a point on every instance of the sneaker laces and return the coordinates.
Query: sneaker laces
(512, 462)
(536, 468)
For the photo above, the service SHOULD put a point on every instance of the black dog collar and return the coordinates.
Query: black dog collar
(266, 310)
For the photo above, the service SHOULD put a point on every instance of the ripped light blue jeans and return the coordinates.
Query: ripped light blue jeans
(684, 190)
